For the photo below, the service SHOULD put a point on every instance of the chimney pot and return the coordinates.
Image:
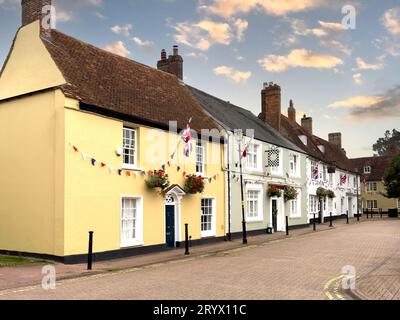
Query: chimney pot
(307, 124)
(292, 111)
(173, 64)
(271, 105)
(32, 10)
(335, 139)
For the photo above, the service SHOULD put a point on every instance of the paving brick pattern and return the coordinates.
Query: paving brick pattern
(296, 268)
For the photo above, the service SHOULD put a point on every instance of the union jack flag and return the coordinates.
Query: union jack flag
(343, 179)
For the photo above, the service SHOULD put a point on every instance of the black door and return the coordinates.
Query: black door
(170, 226)
(275, 215)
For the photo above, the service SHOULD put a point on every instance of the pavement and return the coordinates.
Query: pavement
(305, 265)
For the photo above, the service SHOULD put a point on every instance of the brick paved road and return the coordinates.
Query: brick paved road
(298, 268)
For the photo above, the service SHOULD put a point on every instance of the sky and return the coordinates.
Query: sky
(338, 60)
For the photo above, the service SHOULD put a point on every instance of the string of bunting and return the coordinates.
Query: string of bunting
(131, 173)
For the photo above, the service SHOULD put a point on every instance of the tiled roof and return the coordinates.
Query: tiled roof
(232, 117)
(113, 83)
(378, 167)
(332, 155)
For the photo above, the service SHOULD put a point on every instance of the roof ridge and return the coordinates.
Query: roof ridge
(43, 38)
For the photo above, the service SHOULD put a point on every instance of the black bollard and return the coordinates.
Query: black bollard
(347, 216)
(90, 251)
(381, 211)
(187, 239)
(330, 222)
(367, 214)
(287, 225)
(314, 223)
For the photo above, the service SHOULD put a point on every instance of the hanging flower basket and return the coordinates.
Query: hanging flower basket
(194, 184)
(330, 194)
(289, 193)
(321, 192)
(274, 191)
(157, 179)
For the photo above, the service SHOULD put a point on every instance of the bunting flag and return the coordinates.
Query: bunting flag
(93, 162)
(128, 173)
(163, 167)
(75, 149)
(178, 168)
(120, 172)
(102, 164)
(84, 156)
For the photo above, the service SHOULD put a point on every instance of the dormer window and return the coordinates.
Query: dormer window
(321, 148)
(367, 169)
(303, 139)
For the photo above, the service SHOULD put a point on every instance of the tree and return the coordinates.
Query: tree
(381, 144)
(392, 178)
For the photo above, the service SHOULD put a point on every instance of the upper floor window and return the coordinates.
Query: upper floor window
(367, 169)
(274, 159)
(324, 173)
(129, 142)
(372, 186)
(294, 162)
(314, 170)
(253, 156)
(200, 158)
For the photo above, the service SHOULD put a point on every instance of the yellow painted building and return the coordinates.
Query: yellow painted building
(79, 129)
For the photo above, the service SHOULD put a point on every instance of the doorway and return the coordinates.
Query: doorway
(170, 225)
(277, 215)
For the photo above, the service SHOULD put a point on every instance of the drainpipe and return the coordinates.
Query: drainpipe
(228, 165)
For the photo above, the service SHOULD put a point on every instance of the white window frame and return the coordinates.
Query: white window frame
(398, 203)
(138, 240)
(367, 169)
(297, 202)
(277, 170)
(260, 214)
(200, 146)
(372, 204)
(294, 164)
(255, 156)
(213, 231)
(372, 186)
(313, 204)
(134, 149)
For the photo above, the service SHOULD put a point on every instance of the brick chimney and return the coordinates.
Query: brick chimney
(271, 105)
(32, 10)
(173, 64)
(392, 147)
(335, 139)
(292, 111)
(306, 123)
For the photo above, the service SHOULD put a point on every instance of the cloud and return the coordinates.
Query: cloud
(332, 26)
(356, 101)
(205, 33)
(337, 45)
(362, 65)
(146, 45)
(125, 30)
(198, 55)
(229, 8)
(358, 79)
(118, 48)
(391, 20)
(63, 16)
(236, 76)
(383, 107)
(299, 58)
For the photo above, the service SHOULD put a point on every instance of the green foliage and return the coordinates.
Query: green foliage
(289, 193)
(157, 179)
(194, 184)
(274, 191)
(14, 261)
(392, 178)
(381, 144)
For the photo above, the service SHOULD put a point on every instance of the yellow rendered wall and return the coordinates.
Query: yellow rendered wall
(31, 174)
(29, 67)
(383, 202)
(93, 194)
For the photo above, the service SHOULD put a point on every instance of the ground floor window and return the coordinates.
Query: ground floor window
(372, 204)
(131, 222)
(295, 206)
(207, 217)
(398, 203)
(254, 203)
(314, 205)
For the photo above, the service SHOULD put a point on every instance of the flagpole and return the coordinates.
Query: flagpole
(242, 195)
